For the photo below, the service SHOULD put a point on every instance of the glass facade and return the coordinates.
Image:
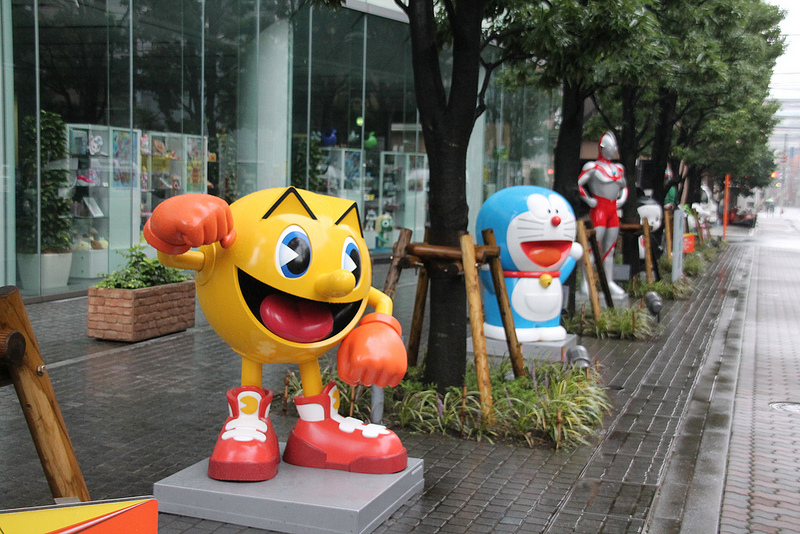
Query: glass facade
(107, 108)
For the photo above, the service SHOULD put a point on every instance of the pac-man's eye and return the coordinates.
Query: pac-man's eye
(293, 254)
(351, 258)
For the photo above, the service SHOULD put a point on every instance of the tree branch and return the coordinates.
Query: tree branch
(403, 6)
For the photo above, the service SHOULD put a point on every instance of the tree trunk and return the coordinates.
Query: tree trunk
(662, 143)
(628, 152)
(693, 179)
(567, 153)
(447, 119)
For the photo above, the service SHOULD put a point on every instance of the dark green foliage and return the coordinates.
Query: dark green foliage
(56, 220)
(141, 271)
(553, 404)
(678, 290)
(622, 323)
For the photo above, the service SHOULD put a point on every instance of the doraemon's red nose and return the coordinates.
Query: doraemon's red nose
(556, 220)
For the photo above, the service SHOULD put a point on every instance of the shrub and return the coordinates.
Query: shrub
(553, 404)
(141, 271)
(622, 323)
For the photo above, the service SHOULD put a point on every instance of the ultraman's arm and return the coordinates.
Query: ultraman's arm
(585, 176)
(623, 194)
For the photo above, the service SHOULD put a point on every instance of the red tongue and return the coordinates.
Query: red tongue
(544, 253)
(294, 319)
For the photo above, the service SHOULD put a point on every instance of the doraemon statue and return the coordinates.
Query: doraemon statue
(535, 229)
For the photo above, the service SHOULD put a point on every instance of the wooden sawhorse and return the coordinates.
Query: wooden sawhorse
(461, 260)
(21, 364)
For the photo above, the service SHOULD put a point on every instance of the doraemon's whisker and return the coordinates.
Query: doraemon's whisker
(537, 227)
(531, 237)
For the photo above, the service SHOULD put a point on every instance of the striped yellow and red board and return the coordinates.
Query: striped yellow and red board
(110, 517)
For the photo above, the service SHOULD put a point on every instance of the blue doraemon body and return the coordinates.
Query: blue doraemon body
(535, 230)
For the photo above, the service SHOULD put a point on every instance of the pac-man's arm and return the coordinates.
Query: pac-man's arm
(192, 260)
(380, 301)
(186, 221)
(374, 352)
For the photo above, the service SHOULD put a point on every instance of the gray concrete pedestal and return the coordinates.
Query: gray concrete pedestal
(298, 499)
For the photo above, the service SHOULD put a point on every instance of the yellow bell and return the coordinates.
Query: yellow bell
(545, 280)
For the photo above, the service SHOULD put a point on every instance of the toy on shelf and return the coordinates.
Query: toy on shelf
(602, 187)
(535, 230)
(283, 276)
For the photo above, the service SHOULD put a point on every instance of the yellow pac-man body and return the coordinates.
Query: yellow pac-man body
(296, 251)
(283, 276)
(234, 281)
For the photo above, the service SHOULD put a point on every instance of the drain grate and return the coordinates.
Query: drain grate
(791, 407)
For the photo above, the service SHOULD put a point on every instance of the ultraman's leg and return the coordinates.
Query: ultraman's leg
(608, 244)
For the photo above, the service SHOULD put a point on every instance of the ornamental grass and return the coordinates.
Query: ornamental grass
(553, 405)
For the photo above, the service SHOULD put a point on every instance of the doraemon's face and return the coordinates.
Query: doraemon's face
(540, 239)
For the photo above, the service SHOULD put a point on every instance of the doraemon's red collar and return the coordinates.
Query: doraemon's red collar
(529, 274)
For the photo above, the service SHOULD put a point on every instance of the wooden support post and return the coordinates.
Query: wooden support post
(698, 226)
(648, 252)
(601, 270)
(588, 271)
(476, 322)
(506, 315)
(398, 251)
(668, 232)
(418, 317)
(38, 400)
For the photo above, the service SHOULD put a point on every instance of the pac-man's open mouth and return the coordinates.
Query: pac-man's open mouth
(294, 318)
(546, 253)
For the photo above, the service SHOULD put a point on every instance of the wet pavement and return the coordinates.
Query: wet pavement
(692, 444)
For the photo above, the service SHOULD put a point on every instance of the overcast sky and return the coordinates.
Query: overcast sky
(786, 78)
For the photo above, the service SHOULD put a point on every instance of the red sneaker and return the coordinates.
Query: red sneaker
(247, 448)
(324, 439)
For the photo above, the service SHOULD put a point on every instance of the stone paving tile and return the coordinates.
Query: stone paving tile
(763, 473)
(138, 413)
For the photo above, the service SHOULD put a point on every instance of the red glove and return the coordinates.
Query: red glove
(373, 353)
(186, 221)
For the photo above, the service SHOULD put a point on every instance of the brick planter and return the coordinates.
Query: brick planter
(138, 314)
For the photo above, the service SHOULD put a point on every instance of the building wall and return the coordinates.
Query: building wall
(228, 98)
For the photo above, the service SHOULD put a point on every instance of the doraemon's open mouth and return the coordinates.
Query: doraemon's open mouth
(546, 253)
(294, 318)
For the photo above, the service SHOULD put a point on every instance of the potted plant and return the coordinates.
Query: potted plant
(141, 300)
(43, 198)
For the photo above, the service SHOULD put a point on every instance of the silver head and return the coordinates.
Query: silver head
(608, 145)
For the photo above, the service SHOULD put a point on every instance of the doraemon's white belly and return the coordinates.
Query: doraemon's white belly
(534, 302)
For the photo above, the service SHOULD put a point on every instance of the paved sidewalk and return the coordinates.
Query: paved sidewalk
(138, 413)
(762, 489)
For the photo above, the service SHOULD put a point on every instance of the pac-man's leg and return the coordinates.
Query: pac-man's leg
(252, 372)
(324, 439)
(247, 447)
(311, 378)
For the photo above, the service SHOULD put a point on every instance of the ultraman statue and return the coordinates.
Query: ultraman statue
(602, 186)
